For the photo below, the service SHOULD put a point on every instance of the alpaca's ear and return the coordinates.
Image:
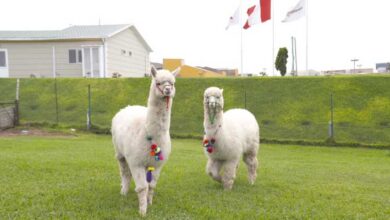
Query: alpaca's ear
(176, 71)
(153, 71)
(221, 91)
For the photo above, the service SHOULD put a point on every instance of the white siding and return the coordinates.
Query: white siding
(135, 65)
(26, 58)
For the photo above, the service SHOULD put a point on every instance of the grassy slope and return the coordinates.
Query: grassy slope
(77, 178)
(287, 108)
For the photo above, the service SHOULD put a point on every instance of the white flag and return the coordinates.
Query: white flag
(234, 19)
(297, 12)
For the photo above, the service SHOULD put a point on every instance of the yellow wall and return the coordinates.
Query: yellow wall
(188, 71)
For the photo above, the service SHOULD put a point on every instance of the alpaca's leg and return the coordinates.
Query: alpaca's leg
(251, 162)
(152, 184)
(141, 187)
(229, 174)
(213, 169)
(125, 175)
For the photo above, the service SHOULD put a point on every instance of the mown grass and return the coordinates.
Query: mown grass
(289, 108)
(77, 178)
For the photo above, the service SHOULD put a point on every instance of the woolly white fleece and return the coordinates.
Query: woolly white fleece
(130, 128)
(236, 133)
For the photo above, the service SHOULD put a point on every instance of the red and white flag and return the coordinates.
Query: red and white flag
(259, 12)
(234, 19)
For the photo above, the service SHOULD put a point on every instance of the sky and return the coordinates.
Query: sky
(194, 30)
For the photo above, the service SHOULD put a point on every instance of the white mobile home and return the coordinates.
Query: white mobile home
(78, 51)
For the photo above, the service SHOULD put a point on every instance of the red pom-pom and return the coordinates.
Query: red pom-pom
(210, 150)
(154, 146)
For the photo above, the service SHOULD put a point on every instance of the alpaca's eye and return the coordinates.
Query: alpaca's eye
(158, 84)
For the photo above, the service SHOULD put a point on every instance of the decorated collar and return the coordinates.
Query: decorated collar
(155, 151)
(209, 144)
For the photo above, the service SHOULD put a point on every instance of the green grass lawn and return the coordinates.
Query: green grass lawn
(78, 178)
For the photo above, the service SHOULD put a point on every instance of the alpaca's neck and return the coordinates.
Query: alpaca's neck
(158, 118)
(213, 123)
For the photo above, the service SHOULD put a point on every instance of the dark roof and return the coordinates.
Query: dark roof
(158, 66)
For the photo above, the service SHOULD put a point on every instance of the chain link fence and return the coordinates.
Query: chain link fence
(67, 103)
(8, 114)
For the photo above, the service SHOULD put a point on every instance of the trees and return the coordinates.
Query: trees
(281, 61)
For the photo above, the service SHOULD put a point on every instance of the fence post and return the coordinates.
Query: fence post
(16, 116)
(245, 98)
(56, 98)
(331, 125)
(16, 113)
(89, 122)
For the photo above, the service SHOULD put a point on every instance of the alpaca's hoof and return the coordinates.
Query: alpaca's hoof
(150, 201)
(142, 213)
(252, 179)
(124, 191)
(227, 187)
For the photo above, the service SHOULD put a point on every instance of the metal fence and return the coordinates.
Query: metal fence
(92, 104)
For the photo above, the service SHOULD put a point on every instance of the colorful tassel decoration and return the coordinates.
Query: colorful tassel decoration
(149, 175)
(209, 145)
(155, 151)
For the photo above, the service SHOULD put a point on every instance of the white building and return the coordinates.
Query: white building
(78, 51)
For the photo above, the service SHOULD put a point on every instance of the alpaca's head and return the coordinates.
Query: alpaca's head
(163, 82)
(213, 99)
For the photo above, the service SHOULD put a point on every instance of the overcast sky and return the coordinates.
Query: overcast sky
(194, 30)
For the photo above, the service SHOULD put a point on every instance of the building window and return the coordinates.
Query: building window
(75, 56)
(80, 56)
(3, 61)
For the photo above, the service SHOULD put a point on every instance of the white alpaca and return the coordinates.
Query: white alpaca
(228, 136)
(141, 138)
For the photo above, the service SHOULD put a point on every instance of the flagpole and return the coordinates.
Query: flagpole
(241, 41)
(307, 37)
(273, 38)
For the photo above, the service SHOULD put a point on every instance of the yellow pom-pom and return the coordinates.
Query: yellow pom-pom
(150, 168)
(158, 149)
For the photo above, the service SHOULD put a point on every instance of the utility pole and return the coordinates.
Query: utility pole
(354, 64)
